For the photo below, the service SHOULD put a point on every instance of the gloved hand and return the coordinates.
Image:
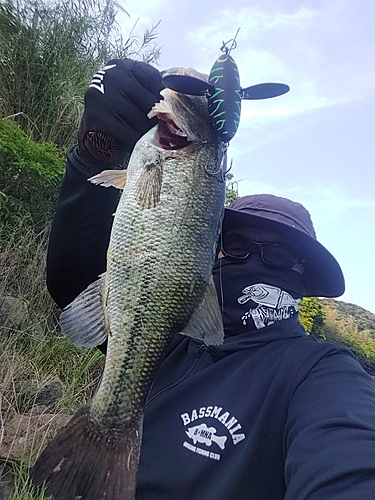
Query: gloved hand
(115, 116)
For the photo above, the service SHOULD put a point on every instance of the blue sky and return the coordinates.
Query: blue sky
(316, 144)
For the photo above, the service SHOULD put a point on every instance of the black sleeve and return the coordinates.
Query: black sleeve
(80, 231)
(330, 436)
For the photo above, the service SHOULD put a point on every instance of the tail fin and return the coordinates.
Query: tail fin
(83, 462)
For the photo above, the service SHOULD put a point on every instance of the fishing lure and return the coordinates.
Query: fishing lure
(224, 91)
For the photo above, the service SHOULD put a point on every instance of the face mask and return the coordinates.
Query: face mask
(254, 295)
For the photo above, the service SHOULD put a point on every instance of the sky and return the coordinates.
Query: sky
(315, 144)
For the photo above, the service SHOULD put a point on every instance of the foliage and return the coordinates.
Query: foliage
(231, 193)
(312, 316)
(345, 329)
(23, 487)
(365, 320)
(33, 352)
(37, 341)
(30, 174)
(22, 275)
(341, 323)
(49, 52)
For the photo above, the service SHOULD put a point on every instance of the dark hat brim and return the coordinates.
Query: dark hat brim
(322, 272)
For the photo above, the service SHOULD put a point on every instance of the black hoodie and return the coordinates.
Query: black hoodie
(272, 414)
(269, 415)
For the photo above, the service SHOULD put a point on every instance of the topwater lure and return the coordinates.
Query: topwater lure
(224, 91)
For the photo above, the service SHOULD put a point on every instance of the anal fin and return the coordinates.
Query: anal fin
(83, 321)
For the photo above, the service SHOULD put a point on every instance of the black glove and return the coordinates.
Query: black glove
(115, 115)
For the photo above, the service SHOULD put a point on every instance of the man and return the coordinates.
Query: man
(271, 414)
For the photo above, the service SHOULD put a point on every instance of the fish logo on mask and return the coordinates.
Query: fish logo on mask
(273, 304)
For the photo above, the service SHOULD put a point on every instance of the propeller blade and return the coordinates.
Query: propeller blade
(264, 90)
(187, 84)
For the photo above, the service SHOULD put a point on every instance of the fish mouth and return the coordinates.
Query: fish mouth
(169, 136)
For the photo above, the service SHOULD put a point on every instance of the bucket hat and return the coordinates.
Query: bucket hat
(322, 272)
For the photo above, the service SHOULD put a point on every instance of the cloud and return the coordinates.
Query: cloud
(323, 50)
(325, 56)
(333, 209)
(344, 225)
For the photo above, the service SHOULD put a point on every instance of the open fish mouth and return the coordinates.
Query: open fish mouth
(169, 136)
(173, 130)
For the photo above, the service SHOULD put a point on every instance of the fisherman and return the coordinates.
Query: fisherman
(272, 413)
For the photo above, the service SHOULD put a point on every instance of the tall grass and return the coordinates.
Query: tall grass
(48, 53)
(33, 353)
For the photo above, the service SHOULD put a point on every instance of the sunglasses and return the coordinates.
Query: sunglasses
(274, 254)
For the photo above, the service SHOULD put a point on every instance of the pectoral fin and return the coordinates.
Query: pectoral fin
(206, 322)
(110, 178)
(83, 321)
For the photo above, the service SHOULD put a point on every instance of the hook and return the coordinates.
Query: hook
(226, 49)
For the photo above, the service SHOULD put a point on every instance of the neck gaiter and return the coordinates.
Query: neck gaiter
(253, 295)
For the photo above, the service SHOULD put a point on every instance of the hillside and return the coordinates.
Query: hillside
(363, 319)
(352, 326)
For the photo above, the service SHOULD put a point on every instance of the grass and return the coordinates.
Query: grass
(49, 52)
(23, 488)
(34, 354)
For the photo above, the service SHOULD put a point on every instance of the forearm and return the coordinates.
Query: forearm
(330, 437)
(80, 231)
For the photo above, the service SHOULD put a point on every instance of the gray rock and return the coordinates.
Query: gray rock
(49, 395)
(13, 311)
(6, 480)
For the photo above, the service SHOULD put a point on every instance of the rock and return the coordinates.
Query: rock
(13, 311)
(30, 395)
(26, 435)
(6, 480)
(49, 395)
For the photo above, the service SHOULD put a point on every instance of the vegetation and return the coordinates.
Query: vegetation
(312, 316)
(33, 351)
(231, 193)
(364, 320)
(341, 323)
(352, 326)
(23, 488)
(49, 52)
(30, 175)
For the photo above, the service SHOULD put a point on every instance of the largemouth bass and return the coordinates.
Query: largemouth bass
(158, 283)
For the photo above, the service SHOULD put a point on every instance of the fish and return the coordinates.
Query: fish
(206, 435)
(158, 284)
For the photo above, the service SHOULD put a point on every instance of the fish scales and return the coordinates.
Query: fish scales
(152, 259)
(158, 283)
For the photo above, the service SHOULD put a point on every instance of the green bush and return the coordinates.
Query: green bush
(343, 329)
(312, 316)
(328, 320)
(30, 176)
